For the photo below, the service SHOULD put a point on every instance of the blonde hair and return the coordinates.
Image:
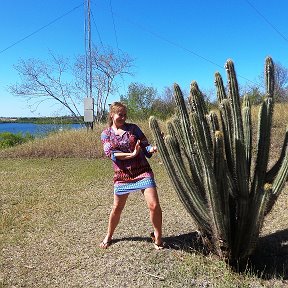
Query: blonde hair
(114, 108)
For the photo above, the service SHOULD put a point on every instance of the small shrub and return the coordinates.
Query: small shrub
(8, 139)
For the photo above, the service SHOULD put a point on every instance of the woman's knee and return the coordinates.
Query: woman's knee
(117, 208)
(119, 203)
(154, 206)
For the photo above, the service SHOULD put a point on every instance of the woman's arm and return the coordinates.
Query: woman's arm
(125, 156)
(128, 155)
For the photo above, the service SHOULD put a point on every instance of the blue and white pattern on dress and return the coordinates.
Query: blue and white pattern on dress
(124, 188)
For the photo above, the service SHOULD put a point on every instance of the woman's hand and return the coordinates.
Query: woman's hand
(130, 155)
(153, 149)
(136, 149)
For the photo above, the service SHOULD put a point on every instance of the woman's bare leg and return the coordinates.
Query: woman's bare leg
(152, 200)
(114, 218)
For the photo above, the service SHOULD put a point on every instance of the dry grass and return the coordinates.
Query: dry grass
(65, 144)
(68, 143)
(54, 214)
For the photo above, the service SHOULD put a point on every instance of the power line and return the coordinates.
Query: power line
(116, 38)
(185, 49)
(114, 27)
(267, 21)
(143, 28)
(41, 28)
(97, 29)
(169, 42)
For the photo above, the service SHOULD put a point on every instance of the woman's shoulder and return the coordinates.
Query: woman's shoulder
(106, 132)
(107, 129)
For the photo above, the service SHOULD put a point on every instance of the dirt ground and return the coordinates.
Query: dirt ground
(54, 215)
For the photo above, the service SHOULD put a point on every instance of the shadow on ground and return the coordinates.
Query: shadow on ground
(187, 242)
(269, 260)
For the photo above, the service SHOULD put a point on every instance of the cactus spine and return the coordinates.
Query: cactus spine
(227, 200)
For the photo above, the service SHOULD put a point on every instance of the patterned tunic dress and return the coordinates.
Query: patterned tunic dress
(132, 174)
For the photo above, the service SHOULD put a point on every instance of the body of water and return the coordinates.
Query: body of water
(35, 129)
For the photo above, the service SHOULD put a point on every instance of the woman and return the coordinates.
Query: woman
(128, 148)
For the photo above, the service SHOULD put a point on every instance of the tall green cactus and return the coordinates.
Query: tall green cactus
(226, 195)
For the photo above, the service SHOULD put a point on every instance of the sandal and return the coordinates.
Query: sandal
(157, 246)
(105, 245)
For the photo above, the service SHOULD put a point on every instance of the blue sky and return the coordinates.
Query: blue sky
(171, 41)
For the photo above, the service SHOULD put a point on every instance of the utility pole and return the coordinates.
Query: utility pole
(89, 100)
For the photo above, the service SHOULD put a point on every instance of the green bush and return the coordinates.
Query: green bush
(8, 139)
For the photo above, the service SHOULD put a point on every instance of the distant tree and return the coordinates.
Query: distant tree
(65, 85)
(209, 98)
(281, 79)
(256, 91)
(42, 81)
(139, 100)
(163, 106)
(281, 82)
(255, 95)
(107, 66)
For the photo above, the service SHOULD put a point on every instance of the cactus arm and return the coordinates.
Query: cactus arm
(213, 122)
(199, 107)
(158, 137)
(226, 118)
(278, 183)
(223, 187)
(264, 128)
(263, 146)
(234, 98)
(184, 118)
(176, 133)
(214, 201)
(196, 168)
(221, 94)
(182, 193)
(197, 100)
(197, 190)
(247, 129)
(195, 171)
(255, 219)
(199, 206)
(269, 77)
(171, 130)
(240, 172)
(242, 206)
(281, 177)
(179, 134)
(174, 129)
(271, 174)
